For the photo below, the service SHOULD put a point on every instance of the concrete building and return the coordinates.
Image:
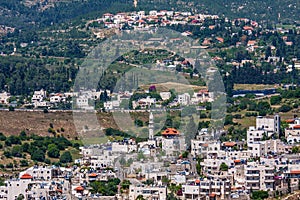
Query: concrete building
(39, 95)
(125, 146)
(4, 98)
(184, 99)
(259, 177)
(172, 141)
(165, 95)
(148, 192)
(292, 132)
(207, 189)
(268, 124)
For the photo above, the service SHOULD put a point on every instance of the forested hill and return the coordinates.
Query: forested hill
(18, 13)
(260, 10)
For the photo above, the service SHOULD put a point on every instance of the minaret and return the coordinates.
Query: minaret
(135, 2)
(151, 127)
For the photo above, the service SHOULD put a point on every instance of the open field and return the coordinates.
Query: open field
(12, 123)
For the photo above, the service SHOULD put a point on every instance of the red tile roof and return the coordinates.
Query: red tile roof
(296, 127)
(93, 175)
(290, 121)
(26, 176)
(212, 195)
(79, 188)
(295, 171)
(229, 144)
(170, 131)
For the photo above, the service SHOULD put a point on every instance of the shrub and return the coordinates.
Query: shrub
(285, 108)
(66, 157)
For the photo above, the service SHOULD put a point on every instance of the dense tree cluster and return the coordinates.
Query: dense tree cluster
(37, 147)
(21, 76)
(105, 188)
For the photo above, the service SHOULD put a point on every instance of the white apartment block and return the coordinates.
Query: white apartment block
(212, 166)
(206, 189)
(39, 172)
(261, 148)
(254, 135)
(259, 177)
(268, 124)
(148, 192)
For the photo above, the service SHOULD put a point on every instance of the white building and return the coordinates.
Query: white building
(56, 99)
(202, 96)
(127, 146)
(268, 124)
(259, 177)
(292, 133)
(39, 172)
(184, 99)
(148, 192)
(165, 95)
(172, 141)
(255, 135)
(207, 189)
(144, 103)
(110, 105)
(82, 102)
(4, 98)
(39, 95)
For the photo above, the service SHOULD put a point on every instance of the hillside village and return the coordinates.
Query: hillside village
(162, 166)
(245, 162)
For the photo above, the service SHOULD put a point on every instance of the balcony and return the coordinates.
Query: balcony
(215, 186)
(269, 174)
(269, 180)
(253, 188)
(252, 181)
(205, 187)
(256, 175)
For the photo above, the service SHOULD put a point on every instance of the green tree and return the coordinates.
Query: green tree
(285, 108)
(140, 197)
(17, 151)
(223, 167)
(260, 194)
(125, 184)
(66, 157)
(53, 151)
(38, 155)
(275, 100)
(20, 197)
(24, 163)
(2, 137)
